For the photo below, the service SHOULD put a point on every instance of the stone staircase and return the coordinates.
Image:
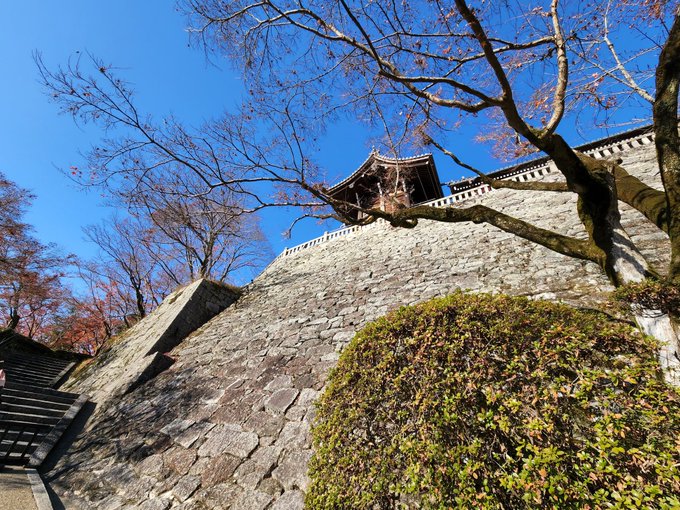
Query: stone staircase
(35, 370)
(34, 415)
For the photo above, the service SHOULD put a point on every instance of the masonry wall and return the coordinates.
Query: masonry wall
(227, 426)
(138, 354)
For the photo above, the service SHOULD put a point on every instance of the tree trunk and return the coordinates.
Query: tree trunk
(623, 263)
(14, 319)
(139, 300)
(667, 140)
(660, 326)
(630, 266)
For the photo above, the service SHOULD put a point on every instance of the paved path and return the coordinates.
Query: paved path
(15, 490)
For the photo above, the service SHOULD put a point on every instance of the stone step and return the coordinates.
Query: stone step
(45, 364)
(46, 393)
(33, 415)
(29, 400)
(37, 419)
(19, 440)
(31, 408)
(13, 372)
(35, 370)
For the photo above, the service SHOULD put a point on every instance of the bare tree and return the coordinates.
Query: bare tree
(198, 235)
(31, 289)
(125, 262)
(173, 237)
(415, 68)
(103, 307)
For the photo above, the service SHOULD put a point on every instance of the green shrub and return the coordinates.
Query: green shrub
(650, 294)
(474, 401)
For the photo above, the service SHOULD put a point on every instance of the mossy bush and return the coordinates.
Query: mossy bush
(650, 294)
(478, 401)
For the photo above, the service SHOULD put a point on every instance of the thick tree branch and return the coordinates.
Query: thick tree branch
(502, 183)
(508, 105)
(645, 199)
(565, 245)
(666, 136)
(562, 71)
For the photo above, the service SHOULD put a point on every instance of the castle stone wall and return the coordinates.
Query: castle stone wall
(138, 353)
(227, 426)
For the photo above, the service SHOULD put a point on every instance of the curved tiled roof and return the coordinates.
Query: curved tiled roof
(376, 156)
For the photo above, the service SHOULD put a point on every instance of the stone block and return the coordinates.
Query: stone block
(153, 465)
(291, 472)
(184, 489)
(252, 500)
(176, 427)
(307, 397)
(264, 424)
(295, 434)
(193, 433)
(281, 400)
(220, 496)
(229, 439)
(219, 469)
(271, 487)
(156, 504)
(282, 381)
(290, 500)
(251, 473)
(179, 459)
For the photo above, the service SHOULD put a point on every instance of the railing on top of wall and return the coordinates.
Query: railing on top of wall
(525, 174)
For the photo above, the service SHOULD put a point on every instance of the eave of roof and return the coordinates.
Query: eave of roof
(376, 157)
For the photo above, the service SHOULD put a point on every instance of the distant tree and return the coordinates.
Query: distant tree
(106, 304)
(88, 321)
(77, 330)
(105, 297)
(31, 299)
(125, 263)
(416, 70)
(200, 235)
(31, 288)
(170, 239)
(13, 204)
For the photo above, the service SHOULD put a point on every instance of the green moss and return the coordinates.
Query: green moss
(650, 294)
(475, 401)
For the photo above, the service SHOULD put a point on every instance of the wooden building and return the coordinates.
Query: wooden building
(389, 184)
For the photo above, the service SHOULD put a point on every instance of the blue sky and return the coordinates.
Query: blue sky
(145, 38)
(148, 42)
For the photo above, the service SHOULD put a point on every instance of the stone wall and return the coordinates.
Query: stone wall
(227, 426)
(138, 354)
